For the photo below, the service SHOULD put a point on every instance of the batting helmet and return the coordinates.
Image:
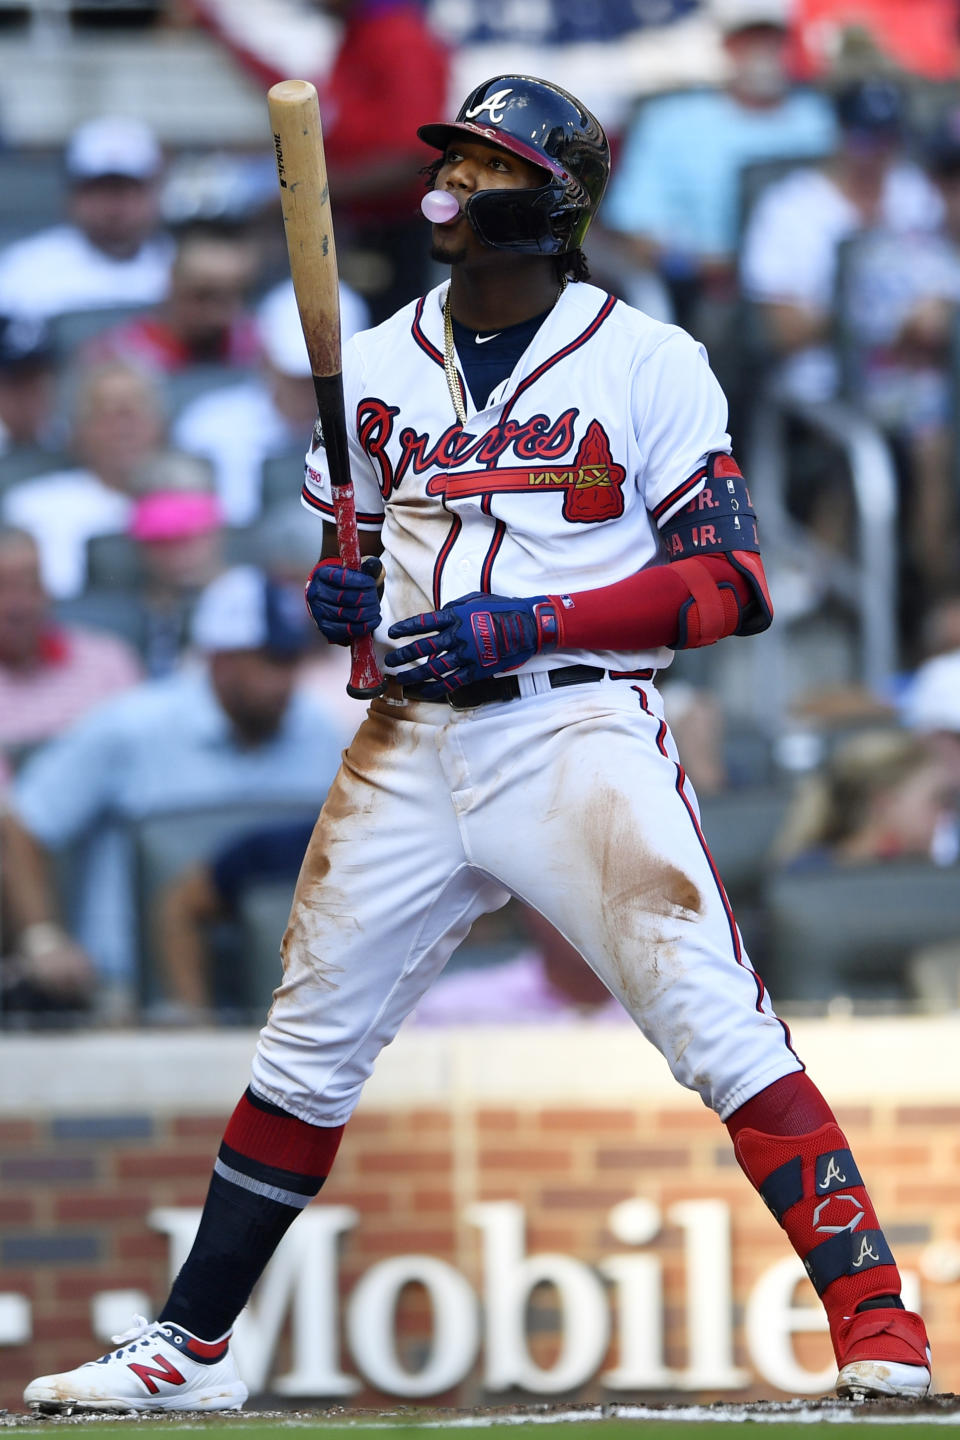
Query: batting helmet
(549, 127)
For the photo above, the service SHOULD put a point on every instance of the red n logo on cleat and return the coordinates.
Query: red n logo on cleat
(166, 1371)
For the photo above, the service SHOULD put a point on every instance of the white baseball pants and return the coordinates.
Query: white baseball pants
(574, 801)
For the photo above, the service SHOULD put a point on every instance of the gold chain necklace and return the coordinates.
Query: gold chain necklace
(450, 357)
(450, 363)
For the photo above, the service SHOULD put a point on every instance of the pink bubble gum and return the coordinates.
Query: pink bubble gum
(439, 207)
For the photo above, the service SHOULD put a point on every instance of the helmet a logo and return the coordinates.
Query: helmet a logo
(493, 105)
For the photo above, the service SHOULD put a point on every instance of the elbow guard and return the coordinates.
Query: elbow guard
(719, 524)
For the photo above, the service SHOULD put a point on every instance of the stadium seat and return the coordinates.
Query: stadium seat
(72, 329)
(739, 826)
(264, 908)
(165, 845)
(282, 477)
(852, 930)
(187, 385)
(27, 462)
(32, 191)
(104, 609)
(113, 561)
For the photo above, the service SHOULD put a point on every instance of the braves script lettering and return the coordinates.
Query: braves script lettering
(591, 481)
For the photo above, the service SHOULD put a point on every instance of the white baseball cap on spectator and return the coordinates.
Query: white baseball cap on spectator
(733, 15)
(281, 333)
(113, 145)
(244, 609)
(932, 703)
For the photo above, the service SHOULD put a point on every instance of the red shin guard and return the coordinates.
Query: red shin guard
(812, 1186)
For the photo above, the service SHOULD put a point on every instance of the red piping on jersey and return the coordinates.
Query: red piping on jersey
(421, 339)
(581, 339)
(328, 513)
(456, 524)
(680, 493)
(724, 899)
(493, 549)
(430, 349)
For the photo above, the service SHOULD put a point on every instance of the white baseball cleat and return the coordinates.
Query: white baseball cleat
(883, 1352)
(158, 1367)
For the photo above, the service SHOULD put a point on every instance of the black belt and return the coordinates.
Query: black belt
(507, 687)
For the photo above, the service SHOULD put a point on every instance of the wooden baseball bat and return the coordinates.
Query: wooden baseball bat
(308, 224)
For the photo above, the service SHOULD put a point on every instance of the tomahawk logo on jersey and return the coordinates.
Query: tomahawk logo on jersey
(563, 481)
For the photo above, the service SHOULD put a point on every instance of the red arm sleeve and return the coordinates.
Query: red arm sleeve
(654, 606)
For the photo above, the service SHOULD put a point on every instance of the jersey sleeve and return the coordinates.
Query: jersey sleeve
(681, 417)
(317, 493)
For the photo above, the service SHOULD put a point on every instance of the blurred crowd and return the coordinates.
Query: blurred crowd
(169, 721)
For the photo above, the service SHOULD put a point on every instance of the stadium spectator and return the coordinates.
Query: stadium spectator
(239, 427)
(898, 303)
(50, 674)
(234, 729)
(390, 74)
(202, 320)
(931, 707)
(790, 253)
(880, 796)
(27, 386)
(941, 625)
(117, 423)
(177, 524)
(109, 250)
(676, 192)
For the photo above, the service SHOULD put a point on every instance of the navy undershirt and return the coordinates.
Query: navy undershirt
(487, 364)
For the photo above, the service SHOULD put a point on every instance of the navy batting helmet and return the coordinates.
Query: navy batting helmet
(549, 127)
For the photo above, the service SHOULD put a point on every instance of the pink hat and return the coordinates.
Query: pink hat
(175, 515)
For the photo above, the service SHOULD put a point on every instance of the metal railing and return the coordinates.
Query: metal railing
(866, 582)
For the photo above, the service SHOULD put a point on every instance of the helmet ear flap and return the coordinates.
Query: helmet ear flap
(530, 222)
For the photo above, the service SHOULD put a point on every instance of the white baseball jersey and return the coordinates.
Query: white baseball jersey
(559, 485)
(571, 798)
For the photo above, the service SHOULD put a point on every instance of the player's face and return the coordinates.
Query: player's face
(469, 166)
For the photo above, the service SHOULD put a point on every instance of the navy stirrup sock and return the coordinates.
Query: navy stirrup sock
(269, 1166)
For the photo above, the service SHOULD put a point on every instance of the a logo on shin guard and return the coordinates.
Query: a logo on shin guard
(836, 1170)
(867, 1252)
(846, 1208)
(831, 1175)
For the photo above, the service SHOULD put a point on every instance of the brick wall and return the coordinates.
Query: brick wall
(77, 1185)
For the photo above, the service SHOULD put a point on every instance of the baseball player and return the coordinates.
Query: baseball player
(548, 499)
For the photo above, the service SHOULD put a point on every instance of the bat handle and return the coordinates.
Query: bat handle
(365, 681)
